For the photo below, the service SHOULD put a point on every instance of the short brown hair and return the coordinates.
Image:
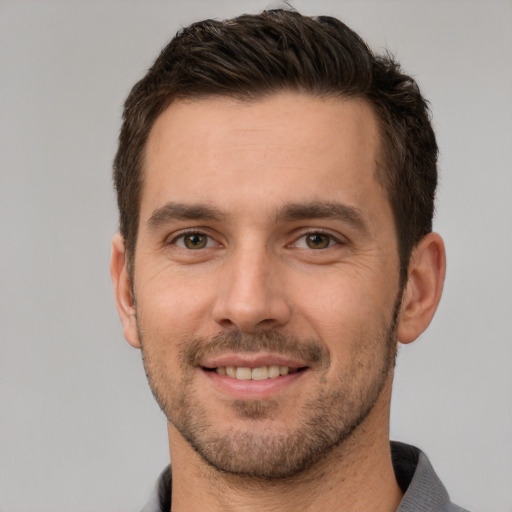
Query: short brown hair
(255, 55)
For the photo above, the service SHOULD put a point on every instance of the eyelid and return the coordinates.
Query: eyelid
(180, 235)
(172, 239)
(336, 238)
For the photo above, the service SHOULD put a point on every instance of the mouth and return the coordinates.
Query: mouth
(256, 373)
(253, 376)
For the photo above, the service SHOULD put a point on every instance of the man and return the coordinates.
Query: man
(276, 186)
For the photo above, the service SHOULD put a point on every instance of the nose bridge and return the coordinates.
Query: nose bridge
(251, 294)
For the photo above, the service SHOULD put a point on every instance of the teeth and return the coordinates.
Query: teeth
(260, 373)
(243, 373)
(273, 372)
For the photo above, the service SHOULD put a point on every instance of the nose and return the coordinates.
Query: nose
(251, 294)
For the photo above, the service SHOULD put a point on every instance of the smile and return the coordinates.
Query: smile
(259, 373)
(247, 376)
(253, 383)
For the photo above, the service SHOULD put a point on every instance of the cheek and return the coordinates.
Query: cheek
(171, 306)
(347, 315)
(337, 300)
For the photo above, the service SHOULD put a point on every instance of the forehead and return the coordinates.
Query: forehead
(288, 147)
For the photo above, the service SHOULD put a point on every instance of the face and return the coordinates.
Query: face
(265, 278)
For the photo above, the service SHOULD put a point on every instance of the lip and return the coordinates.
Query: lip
(252, 360)
(252, 389)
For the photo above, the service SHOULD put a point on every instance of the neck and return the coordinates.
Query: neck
(356, 476)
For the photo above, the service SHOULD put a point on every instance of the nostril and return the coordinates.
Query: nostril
(227, 324)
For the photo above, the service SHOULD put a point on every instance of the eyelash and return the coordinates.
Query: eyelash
(182, 236)
(332, 240)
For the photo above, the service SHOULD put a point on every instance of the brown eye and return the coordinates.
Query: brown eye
(317, 240)
(195, 241)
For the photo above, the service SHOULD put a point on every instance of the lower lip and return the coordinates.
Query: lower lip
(253, 389)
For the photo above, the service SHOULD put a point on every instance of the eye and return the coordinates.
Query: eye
(193, 241)
(316, 240)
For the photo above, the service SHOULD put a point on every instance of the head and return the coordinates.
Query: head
(275, 184)
(254, 56)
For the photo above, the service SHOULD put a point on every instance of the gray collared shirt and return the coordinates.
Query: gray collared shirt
(423, 491)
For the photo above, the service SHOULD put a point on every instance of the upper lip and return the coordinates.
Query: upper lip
(251, 360)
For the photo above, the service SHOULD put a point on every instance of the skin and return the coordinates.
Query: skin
(242, 177)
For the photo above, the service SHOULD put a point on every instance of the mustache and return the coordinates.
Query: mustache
(311, 351)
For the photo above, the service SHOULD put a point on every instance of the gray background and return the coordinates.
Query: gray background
(79, 430)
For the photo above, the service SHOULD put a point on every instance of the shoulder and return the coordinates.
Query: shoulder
(423, 490)
(160, 499)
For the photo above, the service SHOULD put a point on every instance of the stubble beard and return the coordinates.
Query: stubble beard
(327, 420)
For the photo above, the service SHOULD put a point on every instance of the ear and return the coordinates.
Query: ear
(424, 287)
(123, 291)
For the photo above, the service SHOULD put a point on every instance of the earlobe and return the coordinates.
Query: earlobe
(424, 287)
(123, 291)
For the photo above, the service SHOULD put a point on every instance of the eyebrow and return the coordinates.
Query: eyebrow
(179, 211)
(324, 210)
(173, 211)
